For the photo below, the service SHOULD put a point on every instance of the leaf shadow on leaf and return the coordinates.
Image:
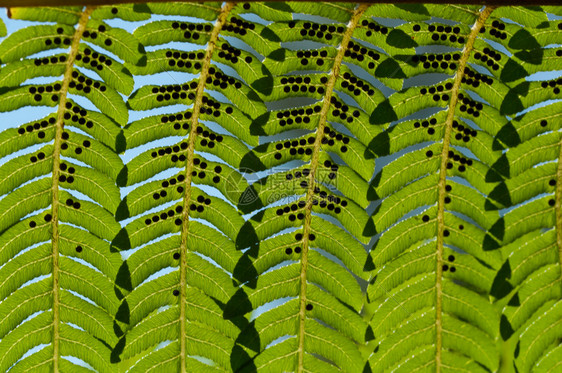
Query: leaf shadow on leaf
(498, 171)
(123, 278)
(123, 176)
(256, 127)
(511, 104)
(506, 330)
(399, 39)
(384, 113)
(264, 85)
(141, 8)
(122, 211)
(523, 39)
(120, 142)
(499, 194)
(269, 35)
(251, 163)
(118, 350)
(379, 145)
(498, 231)
(501, 286)
(390, 69)
(507, 136)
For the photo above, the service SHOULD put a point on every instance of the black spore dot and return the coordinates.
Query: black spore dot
(425, 218)
(176, 292)
(309, 307)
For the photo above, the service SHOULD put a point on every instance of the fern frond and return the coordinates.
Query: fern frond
(45, 229)
(432, 267)
(195, 291)
(322, 320)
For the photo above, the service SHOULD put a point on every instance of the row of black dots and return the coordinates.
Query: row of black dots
(94, 59)
(473, 78)
(342, 110)
(40, 156)
(297, 174)
(94, 35)
(202, 202)
(497, 28)
(330, 202)
(66, 175)
(71, 203)
(436, 91)
(333, 168)
(355, 85)
(317, 30)
(311, 237)
(300, 115)
(191, 30)
(289, 250)
(318, 55)
(165, 215)
(212, 107)
(372, 26)
(176, 118)
(174, 91)
(218, 78)
(179, 149)
(294, 208)
(433, 61)
(295, 147)
(239, 26)
(46, 61)
(231, 54)
(184, 59)
(330, 136)
(464, 133)
(77, 150)
(301, 84)
(430, 130)
(463, 163)
(553, 84)
(209, 138)
(168, 150)
(358, 52)
(489, 57)
(443, 33)
(77, 115)
(166, 183)
(36, 126)
(203, 166)
(331, 198)
(85, 83)
(58, 40)
(38, 91)
(470, 106)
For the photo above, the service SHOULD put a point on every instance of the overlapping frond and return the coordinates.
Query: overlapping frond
(434, 259)
(306, 242)
(57, 272)
(529, 282)
(186, 304)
